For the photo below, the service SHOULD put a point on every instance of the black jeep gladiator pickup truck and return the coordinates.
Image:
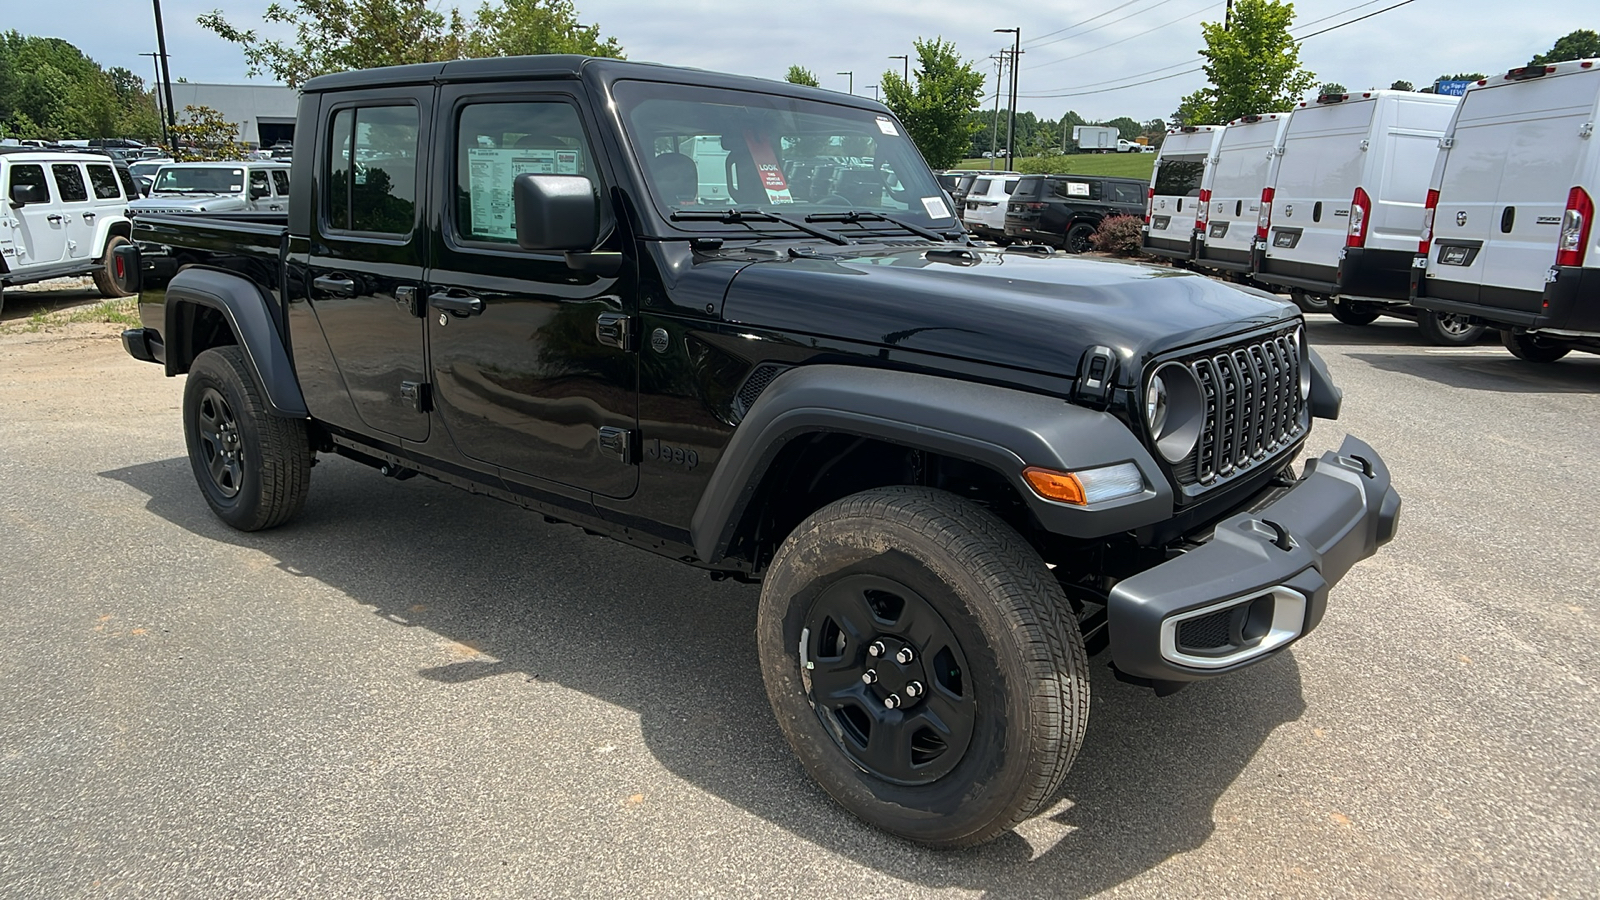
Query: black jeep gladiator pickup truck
(733, 321)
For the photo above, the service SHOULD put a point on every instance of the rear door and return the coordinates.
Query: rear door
(75, 207)
(1176, 185)
(1408, 148)
(1244, 160)
(1323, 157)
(533, 368)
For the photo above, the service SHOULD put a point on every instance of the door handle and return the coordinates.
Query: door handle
(454, 301)
(337, 285)
(55, 218)
(89, 216)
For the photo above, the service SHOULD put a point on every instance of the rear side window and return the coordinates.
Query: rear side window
(69, 182)
(1027, 187)
(372, 170)
(105, 183)
(31, 176)
(1127, 193)
(280, 180)
(1179, 175)
(1071, 189)
(496, 142)
(1011, 186)
(981, 186)
(128, 186)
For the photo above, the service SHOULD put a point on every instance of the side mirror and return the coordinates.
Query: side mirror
(23, 194)
(556, 212)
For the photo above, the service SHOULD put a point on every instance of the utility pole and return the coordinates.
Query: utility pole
(166, 139)
(905, 58)
(999, 79)
(1227, 17)
(874, 89)
(1011, 120)
(852, 75)
(166, 71)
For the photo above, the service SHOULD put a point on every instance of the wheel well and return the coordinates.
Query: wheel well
(123, 229)
(816, 469)
(196, 329)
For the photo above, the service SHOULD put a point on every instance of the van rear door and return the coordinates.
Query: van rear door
(1317, 177)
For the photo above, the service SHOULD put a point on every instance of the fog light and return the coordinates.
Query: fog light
(1086, 486)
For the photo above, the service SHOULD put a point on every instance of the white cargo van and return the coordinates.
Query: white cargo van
(984, 211)
(1511, 238)
(1347, 202)
(1246, 162)
(1178, 186)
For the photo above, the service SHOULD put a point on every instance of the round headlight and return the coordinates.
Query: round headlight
(1305, 363)
(1175, 395)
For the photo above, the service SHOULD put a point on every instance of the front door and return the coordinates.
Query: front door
(523, 379)
(39, 229)
(367, 251)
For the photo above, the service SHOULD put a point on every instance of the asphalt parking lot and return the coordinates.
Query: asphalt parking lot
(413, 692)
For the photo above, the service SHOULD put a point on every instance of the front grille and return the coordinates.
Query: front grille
(1253, 407)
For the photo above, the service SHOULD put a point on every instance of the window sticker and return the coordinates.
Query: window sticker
(490, 172)
(935, 207)
(777, 187)
(887, 127)
(1077, 189)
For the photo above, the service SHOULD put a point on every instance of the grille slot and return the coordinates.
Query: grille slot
(1205, 632)
(1253, 407)
(754, 384)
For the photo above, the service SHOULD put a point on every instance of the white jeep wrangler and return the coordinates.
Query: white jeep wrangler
(62, 214)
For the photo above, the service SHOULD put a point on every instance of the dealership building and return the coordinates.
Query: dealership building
(263, 112)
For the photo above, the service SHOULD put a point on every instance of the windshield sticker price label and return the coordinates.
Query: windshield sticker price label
(772, 180)
(935, 207)
(887, 127)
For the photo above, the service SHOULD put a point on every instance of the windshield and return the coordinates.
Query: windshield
(200, 179)
(706, 149)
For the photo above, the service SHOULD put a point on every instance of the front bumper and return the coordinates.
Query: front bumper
(1261, 580)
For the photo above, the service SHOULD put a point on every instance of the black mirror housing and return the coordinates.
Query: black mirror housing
(556, 212)
(23, 194)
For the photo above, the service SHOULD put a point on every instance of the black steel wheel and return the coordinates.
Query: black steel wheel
(924, 664)
(1352, 313)
(1078, 238)
(1531, 348)
(1449, 329)
(253, 468)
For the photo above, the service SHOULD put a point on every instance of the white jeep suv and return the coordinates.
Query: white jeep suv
(62, 214)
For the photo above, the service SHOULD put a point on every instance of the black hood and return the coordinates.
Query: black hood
(1007, 309)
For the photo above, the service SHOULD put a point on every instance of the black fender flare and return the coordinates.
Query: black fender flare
(247, 310)
(1004, 429)
(1326, 397)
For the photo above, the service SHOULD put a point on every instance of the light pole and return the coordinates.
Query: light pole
(166, 139)
(1011, 120)
(874, 89)
(852, 75)
(166, 70)
(999, 78)
(905, 58)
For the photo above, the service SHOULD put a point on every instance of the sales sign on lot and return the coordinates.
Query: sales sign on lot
(490, 173)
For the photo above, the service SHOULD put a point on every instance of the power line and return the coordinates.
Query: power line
(1187, 15)
(1356, 19)
(1080, 34)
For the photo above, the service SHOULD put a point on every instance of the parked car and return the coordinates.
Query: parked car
(246, 186)
(964, 184)
(1178, 190)
(1346, 206)
(1509, 237)
(1064, 210)
(144, 172)
(1246, 162)
(64, 215)
(984, 212)
(947, 465)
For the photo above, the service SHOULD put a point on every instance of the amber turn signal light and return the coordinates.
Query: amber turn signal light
(1052, 485)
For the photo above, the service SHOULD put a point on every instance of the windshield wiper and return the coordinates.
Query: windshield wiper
(738, 216)
(855, 215)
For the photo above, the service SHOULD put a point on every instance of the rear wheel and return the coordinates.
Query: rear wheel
(1077, 240)
(1449, 329)
(1526, 346)
(924, 664)
(1352, 313)
(1311, 303)
(105, 280)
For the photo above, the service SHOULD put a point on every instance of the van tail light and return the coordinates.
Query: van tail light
(1264, 220)
(1360, 216)
(1149, 204)
(1200, 213)
(1574, 239)
(1425, 245)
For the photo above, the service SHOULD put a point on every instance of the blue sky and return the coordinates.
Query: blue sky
(1104, 45)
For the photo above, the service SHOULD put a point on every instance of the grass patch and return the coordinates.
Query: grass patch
(122, 311)
(1121, 165)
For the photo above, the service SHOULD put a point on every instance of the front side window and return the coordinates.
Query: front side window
(27, 176)
(496, 142)
(199, 180)
(706, 149)
(105, 183)
(69, 182)
(259, 188)
(371, 179)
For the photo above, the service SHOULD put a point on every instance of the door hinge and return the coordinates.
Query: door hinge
(419, 393)
(614, 330)
(617, 444)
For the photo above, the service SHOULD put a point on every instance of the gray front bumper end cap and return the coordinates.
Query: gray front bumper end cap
(1261, 581)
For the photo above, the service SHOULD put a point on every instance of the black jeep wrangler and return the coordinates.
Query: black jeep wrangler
(733, 321)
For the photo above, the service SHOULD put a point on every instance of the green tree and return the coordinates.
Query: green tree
(801, 75)
(1464, 76)
(1254, 66)
(204, 134)
(339, 35)
(1402, 86)
(1332, 87)
(936, 111)
(1580, 44)
(49, 89)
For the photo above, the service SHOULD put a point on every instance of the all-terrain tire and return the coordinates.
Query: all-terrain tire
(105, 280)
(1007, 663)
(1448, 329)
(253, 468)
(1078, 239)
(1527, 347)
(1352, 313)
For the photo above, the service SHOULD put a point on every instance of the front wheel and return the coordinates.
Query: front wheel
(1352, 313)
(1449, 329)
(1527, 347)
(254, 468)
(924, 664)
(1078, 238)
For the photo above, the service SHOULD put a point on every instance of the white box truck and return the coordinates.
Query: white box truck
(1095, 138)
(1246, 163)
(1347, 204)
(1509, 237)
(1179, 190)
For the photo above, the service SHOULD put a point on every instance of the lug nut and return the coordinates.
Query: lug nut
(892, 701)
(914, 689)
(905, 656)
(870, 676)
(875, 648)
